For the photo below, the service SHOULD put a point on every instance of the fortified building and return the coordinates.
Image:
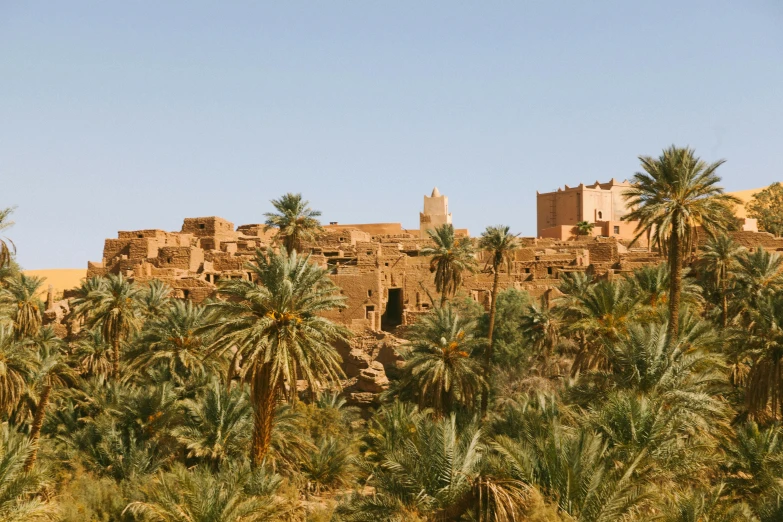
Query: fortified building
(379, 267)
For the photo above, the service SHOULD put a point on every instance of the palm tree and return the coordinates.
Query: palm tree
(451, 257)
(233, 494)
(584, 228)
(765, 347)
(574, 468)
(218, 424)
(22, 293)
(434, 471)
(755, 465)
(652, 284)
(156, 298)
(719, 256)
(18, 362)
(177, 342)
(759, 274)
(603, 312)
(52, 371)
(275, 328)
(93, 354)
(676, 193)
(22, 497)
(500, 244)
(114, 304)
(295, 221)
(6, 252)
(440, 370)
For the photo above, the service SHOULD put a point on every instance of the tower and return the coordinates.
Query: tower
(436, 212)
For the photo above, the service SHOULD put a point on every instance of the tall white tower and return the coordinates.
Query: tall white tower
(436, 212)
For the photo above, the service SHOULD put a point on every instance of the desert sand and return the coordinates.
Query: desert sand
(60, 278)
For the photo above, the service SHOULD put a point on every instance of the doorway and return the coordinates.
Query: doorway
(392, 317)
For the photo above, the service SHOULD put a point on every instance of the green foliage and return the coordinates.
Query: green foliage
(441, 369)
(767, 207)
(451, 257)
(584, 228)
(7, 247)
(294, 220)
(199, 495)
(205, 423)
(21, 296)
(22, 494)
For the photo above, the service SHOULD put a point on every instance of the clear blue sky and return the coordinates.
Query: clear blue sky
(130, 115)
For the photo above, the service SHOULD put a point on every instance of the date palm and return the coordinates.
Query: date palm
(114, 305)
(672, 196)
(500, 244)
(295, 221)
(176, 342)
(759, 274)
(233, 494)
(574, 468)
(93, 354)
(274, 326)
(51, 371)
(441, 370)
(434, 471)
(22, 493)
(217, 425)
(755, 465)
(6, 252)
(451, 258)
(603, 312)
(18, 363)
(156, 298)
(719, 256)
(21, 294)
(765, 343)
(584, 228)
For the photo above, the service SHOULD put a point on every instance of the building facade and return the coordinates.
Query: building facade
(602, 204)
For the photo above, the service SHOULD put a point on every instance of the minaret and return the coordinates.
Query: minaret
(436, 212)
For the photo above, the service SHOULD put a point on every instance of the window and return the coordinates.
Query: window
(201, 225)
(141, 236)
(617, 229)
(342, 239)
(168, 260)
(526, 270)
(368, 310)
(549, 270)
(600, 215)
(369, 293)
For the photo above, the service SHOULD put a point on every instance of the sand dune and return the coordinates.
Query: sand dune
(60, 278)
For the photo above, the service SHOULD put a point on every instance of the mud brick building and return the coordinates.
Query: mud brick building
(377, 266)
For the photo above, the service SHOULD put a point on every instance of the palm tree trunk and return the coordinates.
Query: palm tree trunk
(443, 299)
(725, 306)
(490, 337)
(263, 395)
(35, 429)
(116, 358)
(675, 282)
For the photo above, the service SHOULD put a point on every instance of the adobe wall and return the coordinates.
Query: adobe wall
(384, 277)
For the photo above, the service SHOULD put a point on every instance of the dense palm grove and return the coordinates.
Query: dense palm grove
(657, 395)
